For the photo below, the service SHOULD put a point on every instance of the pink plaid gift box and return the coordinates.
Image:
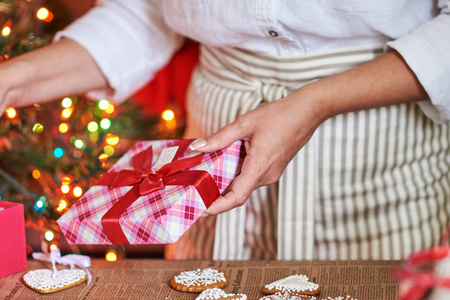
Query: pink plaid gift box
(138, 201)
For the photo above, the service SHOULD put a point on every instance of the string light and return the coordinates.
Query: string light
(44, 14)
(66, 113)
(63, 127)
(103, 156)
(110, 109)
(168, 115)
(38, 128)
(11, 113)
(103, 104)
(62, 205)
(58, 152)
(77, 191)
(53, 246)
(65, 188)
(78, 143)
(66, 180)
(105, 123)
(92, 126)
(112, 139)
(66, 102)
(111, 255)
(6, 31)
(36, 174)
(49, 235)
(109, 150)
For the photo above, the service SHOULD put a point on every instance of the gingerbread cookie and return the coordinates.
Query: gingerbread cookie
(286, 296)
(197, 281)
(42, 280)
(215, 293)
(294, 285)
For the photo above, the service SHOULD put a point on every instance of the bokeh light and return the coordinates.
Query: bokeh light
(111, 255)
(78, 143)
(58, 152)
(112, 139)
(6, 31)
(66, 113)
(110, 109)
(53, 246)
(66, 180)
(65, 188)
(92, 126)
(63, 127)
(38, 128)
(49, 235)
(44, 14)
(66, 102)
(11, 113)
(168, 115)
(109, 150)
(103, 104)
(105, 123)
(77, 191)
(36, 174)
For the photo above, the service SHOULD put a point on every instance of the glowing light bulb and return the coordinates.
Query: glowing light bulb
(66, 113)
(6, 31)
(11, 113)
(53, 246)
(58, 152)
(36, 174)
(168, 115)
(66, 180)
(103, 156)
(92, 126)
(65, 188)
(105, 123)
(42, 13)
(78, 143)
(110, 109)
(103, 104)
(111, 255)
(63, 127)
(77, 191)
(112, 139)
(49, 235)
(39, 203)
(109, 150)
(66, 102)
(62, 205)
(38, 128)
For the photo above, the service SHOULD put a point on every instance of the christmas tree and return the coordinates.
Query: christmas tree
(50, 154)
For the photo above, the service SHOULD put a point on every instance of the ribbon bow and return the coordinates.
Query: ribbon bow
(423, 281)
(145, 181)
(72, 260)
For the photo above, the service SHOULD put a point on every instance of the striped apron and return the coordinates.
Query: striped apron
(372, 184)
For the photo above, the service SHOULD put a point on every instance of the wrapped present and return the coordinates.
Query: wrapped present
(152, 195)
(13, 254)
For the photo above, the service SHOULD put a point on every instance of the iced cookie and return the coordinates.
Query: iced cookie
(215, 293)
(197, 281)
(42, 281)
(295, 285)
(286, 296)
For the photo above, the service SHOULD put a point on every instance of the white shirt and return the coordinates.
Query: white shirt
(132, 39)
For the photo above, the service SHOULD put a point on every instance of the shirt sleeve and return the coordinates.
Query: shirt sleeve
(426, 49)
(129, 40)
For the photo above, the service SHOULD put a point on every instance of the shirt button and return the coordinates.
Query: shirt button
(273, 33)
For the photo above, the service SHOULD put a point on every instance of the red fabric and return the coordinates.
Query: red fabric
(170, 84)
(13, 256)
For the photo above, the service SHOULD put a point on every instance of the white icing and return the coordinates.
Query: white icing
(286, 296)
(42, 279)
(340, 298)
(200, 277)
(216, 293)
(293, 283)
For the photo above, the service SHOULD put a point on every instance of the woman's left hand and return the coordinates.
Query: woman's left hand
(272, 133)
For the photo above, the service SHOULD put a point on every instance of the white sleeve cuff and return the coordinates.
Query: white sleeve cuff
(426, 50)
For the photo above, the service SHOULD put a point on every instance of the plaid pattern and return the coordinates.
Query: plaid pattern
(158, 218)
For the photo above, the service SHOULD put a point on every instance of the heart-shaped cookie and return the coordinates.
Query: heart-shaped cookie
(42, 280)
(295, 285)
(218, 294)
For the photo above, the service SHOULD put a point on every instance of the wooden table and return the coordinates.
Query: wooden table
(147, 279)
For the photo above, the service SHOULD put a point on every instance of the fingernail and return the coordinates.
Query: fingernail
(197, 144)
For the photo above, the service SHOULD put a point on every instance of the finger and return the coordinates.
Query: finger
(239, 190)
(220, 139)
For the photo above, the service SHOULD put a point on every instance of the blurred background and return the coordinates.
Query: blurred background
(50, 154)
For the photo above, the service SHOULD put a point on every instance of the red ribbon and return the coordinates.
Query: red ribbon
(145, 181)
(423, 281)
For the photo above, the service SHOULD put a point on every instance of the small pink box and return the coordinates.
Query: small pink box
(13, 255)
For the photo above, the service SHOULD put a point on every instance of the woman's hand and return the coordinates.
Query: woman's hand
(273, 133)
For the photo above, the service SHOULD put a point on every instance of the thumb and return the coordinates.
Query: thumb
(218, 140)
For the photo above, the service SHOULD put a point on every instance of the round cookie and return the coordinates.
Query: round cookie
(42, 281)
(219, 294)
(295, 285)
(197, 281)
(286, 296)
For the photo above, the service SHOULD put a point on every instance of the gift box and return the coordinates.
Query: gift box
(13, 256)
(152, 195)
